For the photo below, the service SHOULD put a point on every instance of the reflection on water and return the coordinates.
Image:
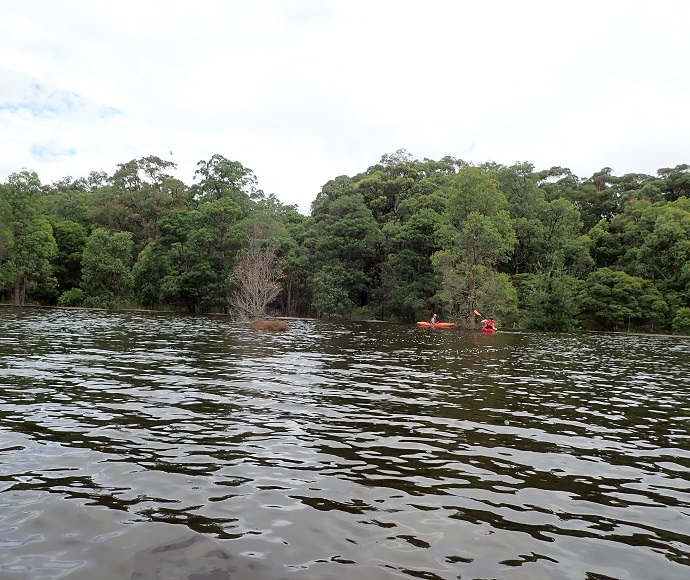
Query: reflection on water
(166, 446)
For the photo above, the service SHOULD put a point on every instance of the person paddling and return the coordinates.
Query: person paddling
(434, 319)
(489, 325)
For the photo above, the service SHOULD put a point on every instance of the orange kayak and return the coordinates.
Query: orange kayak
(437, 324)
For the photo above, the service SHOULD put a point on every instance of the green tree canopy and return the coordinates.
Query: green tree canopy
(479, 234)
(71, 239)
(26, 237)
(107, 268)
(615, 300)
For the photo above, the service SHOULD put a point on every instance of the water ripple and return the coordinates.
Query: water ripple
(338, 449)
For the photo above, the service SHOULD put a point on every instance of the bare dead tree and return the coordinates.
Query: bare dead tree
(255, 282)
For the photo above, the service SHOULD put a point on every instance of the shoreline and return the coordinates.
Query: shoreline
(181, 312)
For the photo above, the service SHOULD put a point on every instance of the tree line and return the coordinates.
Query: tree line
(535, 249)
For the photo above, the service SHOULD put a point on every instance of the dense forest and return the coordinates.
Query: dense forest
(534, 249)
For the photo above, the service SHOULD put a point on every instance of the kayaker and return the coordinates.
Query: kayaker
(434, 319)
(489, 324)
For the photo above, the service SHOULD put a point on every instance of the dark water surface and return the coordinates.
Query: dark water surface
(163, 446)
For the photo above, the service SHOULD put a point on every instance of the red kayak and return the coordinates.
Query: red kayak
(436, 324)
(488, 329)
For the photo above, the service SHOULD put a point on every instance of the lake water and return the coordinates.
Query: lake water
(161, 446)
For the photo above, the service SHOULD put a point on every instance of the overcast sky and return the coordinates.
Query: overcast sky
(302, 91)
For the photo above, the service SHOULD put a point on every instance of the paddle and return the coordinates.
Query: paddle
(479, 314)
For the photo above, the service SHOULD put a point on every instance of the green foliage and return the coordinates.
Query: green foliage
(548, 227)
(407, 277)
(453, 295)
(650, 241)
(549, 302)
(675, 182)
(141, 193)
(221, 178)
(347, 237)
(397, 241)
(666, 246)
(148, 273)
(70, 238)
(497, 297)
(330, 297)
(106, 268)
(681, 321)
(72, 298)
(614, 300)
(478, 233)
(189, 264)
(66, 204)
(26, 238)
(388, 184)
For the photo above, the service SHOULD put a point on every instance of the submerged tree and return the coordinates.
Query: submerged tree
(256, 278)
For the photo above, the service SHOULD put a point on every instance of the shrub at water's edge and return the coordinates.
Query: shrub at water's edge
(681, 322)
(72, 298)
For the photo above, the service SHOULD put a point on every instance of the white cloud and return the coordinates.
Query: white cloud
(307, 90)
